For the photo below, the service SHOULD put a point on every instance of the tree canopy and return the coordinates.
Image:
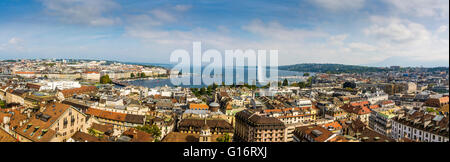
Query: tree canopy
(105, 79)
(151, 129)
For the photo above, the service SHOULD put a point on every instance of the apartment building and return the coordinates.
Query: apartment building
(358, 110)
(421, 126)
(254, 127)
(380, 120)
(57, 122)
(315, 134)
(120, 121)
(293, 117)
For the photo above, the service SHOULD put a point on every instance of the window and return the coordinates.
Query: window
(65, 122)
(72, 121)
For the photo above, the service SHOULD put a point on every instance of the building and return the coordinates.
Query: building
(254, 127)
(67, 93)
(56, 123)
(84, 137)
(193, 106)
(6, 137)
(380, 120)
(188, 137)
(437, 102)
(376, 97)
(58, 85)
(294, 117)
(357, 130)
(135, 135)
(16, 96)
(120, 121)
(313, 134)
(358, 110)
(194, 125)
(91, 75)
(420, 126)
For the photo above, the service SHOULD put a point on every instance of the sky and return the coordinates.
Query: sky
(355, 32)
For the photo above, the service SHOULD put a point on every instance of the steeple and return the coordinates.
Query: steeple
(205, 134)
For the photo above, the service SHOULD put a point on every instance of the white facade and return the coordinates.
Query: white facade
(376, 97)
(61, 85)
(166, 94)
(400, 130)
(153, 92)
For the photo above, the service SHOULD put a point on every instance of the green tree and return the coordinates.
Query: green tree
(132, 75)
(225, 138)
(285, 82)
(267, 85)
(153, 130)
(301, 84)
(2, 104)
(202, 91)
(309, 82)
(214, 86)
(105, 79)
(142, 75)
(349, 85)
(305, 74)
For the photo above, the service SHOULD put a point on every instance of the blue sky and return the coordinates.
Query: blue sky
(358, 32)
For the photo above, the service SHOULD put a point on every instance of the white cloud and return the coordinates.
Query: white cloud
(337, 39)
(14, 41)
(339, 5)
(274, 30)
(295, 45)
(404, 38)
(422, 8)
(393, 30)
(14, 44)
(442, 29)
(162, 15)
(362, 47)
(91, 12)
(182, 8)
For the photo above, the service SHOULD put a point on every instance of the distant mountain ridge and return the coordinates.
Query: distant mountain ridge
(341, 68)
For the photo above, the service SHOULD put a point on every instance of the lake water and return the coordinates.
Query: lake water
(291, 76)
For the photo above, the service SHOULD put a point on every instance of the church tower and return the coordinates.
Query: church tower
(205, 134)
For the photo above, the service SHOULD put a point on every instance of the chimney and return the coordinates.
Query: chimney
(6, 120)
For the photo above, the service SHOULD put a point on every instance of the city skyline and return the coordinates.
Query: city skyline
(354, 32)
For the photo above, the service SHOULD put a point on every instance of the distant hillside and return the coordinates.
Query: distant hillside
(331, 68)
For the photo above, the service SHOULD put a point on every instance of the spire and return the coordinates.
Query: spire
(205, 126)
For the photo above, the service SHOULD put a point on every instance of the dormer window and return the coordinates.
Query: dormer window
(28, 127)
(43, 133)
(35, 130)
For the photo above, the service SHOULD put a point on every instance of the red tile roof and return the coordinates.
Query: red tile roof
(82, 89)
(198, 106)
(106, 114)
(25, 72)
